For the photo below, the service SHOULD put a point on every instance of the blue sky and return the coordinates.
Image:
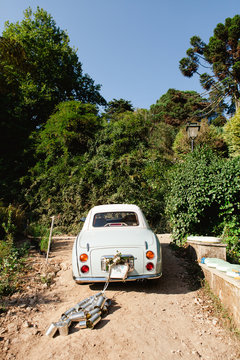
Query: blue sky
(131, 47)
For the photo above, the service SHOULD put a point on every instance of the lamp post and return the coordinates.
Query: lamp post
(192, 131)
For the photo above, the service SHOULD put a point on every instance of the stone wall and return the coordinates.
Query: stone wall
(227, 289)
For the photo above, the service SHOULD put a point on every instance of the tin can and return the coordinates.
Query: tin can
(92, 312)
(79, 305)
(51, 331)
(100, 302)
(63, 327)
(94, 320)
(66, 314)
(89, 308)
(98, 294)
(108, 302)
(82, 324)
(104, 310)
(78, 316)
(88, 303)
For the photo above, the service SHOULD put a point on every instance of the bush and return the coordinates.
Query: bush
(40, 233)
(232, 134)
(12, 221)
(11, 262)
(231, 236)
(209, 135)
(204, 197)
(121, 165)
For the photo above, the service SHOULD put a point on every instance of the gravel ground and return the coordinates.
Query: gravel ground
(160, 320)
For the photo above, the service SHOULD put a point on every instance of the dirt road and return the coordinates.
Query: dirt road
(160, 320)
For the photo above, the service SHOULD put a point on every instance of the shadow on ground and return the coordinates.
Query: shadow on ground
(180, 276)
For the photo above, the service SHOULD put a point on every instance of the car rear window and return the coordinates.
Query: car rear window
(119, 218)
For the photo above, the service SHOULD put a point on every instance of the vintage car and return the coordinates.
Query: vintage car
(116, 232)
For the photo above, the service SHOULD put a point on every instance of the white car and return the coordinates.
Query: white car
(118, 231)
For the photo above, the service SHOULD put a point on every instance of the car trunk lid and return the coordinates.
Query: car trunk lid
(108, 241)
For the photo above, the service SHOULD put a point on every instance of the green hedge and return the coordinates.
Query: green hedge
(204, 198)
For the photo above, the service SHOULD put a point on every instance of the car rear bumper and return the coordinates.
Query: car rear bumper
(81, 280)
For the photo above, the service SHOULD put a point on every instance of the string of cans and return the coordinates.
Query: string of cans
(87, 313)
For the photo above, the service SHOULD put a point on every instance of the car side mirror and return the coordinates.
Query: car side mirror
(82, 219)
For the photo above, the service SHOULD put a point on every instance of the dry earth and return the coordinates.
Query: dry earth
(158, 320)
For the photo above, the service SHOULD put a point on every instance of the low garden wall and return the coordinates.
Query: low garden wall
(227, 289)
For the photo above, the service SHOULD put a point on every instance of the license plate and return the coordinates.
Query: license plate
(126, 259)
(119, 272)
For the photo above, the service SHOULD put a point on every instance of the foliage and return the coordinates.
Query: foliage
(56, 73)
(232, 134)
(221, 55)
(11, 262)
(161, 139)
(120, 164)
(116, 107)
(12, 221)
(231, 236)
(176, 107)
(39, 231)
(208, 135)
(68, 130)
(204, 195)
(38, 70)
(60, 146)
(67, 158)
(132, 178)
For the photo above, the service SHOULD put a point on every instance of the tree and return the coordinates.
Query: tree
(55, 73)
(123, 166)
(116, 107)
(232, 134)
(68, 130)
(118, 164)
(60, 147)
(13, 126)
(221, 56)
(38, 70)
(176, 107)
(208, 135)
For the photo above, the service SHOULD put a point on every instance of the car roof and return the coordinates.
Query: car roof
(115, 207)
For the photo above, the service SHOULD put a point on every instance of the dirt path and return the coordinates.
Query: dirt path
(160, 320)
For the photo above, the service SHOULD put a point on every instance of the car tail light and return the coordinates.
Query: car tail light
(150, 255)
(149, 266)
(83, 257)
(84, 269)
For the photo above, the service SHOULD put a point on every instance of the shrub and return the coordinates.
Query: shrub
(11, 261)
(204, 197)
(231, 236)
(209, 135)
(232, 134)
(40, 233)
(12, 221)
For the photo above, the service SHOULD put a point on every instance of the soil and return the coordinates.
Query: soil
(163, 319)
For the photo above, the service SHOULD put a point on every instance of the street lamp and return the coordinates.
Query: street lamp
(192, 131)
